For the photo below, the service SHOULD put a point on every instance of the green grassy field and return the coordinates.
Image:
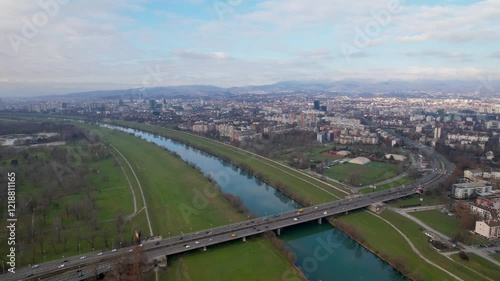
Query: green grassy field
(443, 223)
(414, 232)
(479, 264)
(496, 256)
(252, 260)
(447, 225)
(300, 185)
(171, 187)
(372, 172)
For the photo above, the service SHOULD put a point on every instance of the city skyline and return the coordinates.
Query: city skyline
(52, 47)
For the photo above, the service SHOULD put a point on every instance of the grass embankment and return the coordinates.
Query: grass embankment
(369, 173)
(388, 244)
(414, 232)
(176, 202)
(479, 264)
(298, 185)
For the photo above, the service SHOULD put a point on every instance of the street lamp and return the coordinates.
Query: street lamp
(79, 249)
(112, 243)
(3, 266)
(44, 256)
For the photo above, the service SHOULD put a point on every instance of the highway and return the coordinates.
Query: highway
(78, 268)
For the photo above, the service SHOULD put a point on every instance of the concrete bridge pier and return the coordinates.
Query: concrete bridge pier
(320, 221)
(204, 248)
(244, 239)
(278, 231)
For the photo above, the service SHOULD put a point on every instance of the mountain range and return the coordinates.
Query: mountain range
(344, 87)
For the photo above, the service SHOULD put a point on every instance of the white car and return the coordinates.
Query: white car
(114, 250)
(35, 266)
(99, 254)
(197, 242)
(82, 257)
(187, 246)
(61, 266)
(295, 219)
(325, 213)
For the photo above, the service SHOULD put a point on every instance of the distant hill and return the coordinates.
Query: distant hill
(385, 88)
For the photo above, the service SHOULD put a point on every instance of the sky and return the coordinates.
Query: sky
(62, 46)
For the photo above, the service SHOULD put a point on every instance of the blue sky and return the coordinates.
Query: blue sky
(58, 46)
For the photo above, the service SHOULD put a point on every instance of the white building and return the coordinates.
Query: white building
(488, 229)
(469, 190)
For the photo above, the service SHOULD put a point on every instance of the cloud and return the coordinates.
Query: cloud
(455, 56)
(455, 23)
(190, 54)
(495, 55)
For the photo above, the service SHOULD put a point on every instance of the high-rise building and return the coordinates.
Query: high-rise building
(316, 105)
(437, 132)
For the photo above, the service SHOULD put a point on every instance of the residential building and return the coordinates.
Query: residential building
(489, 229)
(469, 190)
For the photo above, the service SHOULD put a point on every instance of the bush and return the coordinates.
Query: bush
(463, 256)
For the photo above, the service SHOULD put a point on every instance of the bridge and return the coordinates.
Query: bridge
(81, 267)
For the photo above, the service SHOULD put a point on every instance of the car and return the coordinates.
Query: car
(114, 250)
(197, 242)
(65, 261)
(140, 245)
(187, 246)
(233, 235)
(210, 239)
(157, 243)
(325, 213)
(61, 266)
(130, 250)
(29, 275)
(315, 207)
(35, 266)
(295, 219)
(99, 254)
(82, 257)
(209, 232)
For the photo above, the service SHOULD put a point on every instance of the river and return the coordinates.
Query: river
(323, 252)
